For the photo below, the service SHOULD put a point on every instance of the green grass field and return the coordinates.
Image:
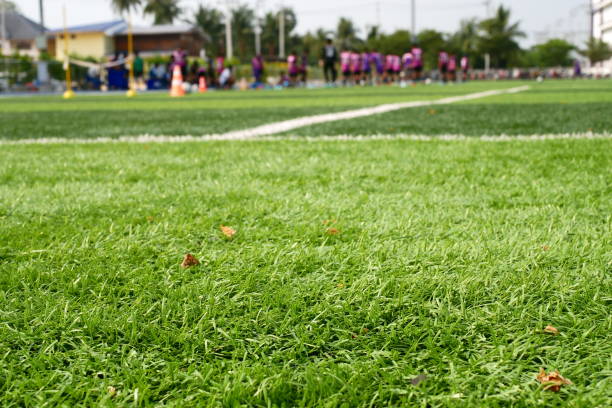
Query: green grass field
(451, 257)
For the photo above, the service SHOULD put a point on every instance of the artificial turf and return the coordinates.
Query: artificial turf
(450, 260)
(549, 107)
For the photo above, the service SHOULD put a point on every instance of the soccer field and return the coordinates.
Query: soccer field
(369, 272)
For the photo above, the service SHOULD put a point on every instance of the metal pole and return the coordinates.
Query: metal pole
(229, 47)
(414, 20)
(281, 33)
(2, 45)
(132, 85)
(69, 93)
(42, 16)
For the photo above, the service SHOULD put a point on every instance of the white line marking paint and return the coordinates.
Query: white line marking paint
(278, 127)
(143, 139)
(287, 125)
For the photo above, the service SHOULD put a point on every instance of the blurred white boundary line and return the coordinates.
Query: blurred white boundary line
(287, 125)
(337, 138)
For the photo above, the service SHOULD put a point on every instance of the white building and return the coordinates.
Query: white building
(602, 27)
(602, 20)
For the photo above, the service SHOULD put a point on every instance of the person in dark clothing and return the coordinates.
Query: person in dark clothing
(329, 58)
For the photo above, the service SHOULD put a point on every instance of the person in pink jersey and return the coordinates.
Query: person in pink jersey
(293, 68)
(465, 67)
(356, 67)
(345, 66)
(452, 68)
(443, 65)
(417, 63)
(389, 78)
(397, 67)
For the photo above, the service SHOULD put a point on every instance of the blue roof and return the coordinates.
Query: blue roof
(90, 28)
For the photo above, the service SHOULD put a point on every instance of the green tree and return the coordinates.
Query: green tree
(8, 5)
(210, 21)
(124, 6)
(346, 34)
(269, 34)
(597, 50)
(163, 11)
(499, 38)
(397, 42)
(465, 41)
(432, 42)
(553, 53)
(242, 30)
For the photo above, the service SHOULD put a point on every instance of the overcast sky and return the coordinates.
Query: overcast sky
(541, 19)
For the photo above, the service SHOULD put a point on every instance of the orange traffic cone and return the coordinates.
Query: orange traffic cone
(177, 83)
(203, 88)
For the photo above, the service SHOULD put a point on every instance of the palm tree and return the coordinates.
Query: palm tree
(499, 38)
(210, 21)
(163, 11)
(123, 6)
(466, 39)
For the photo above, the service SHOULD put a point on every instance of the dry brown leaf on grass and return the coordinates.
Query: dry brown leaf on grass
(189, 261)
(545, 248)
(229, 232)
(340, 285)
(552, 381)
(551, 330)
(418, 379)
(333, 231)
(112, 391)
(327, 222)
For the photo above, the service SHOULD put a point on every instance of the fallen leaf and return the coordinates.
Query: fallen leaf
(552, 381)
(111, 390)
(340, 285)
(418, 379)
(545, 248)
(227, 231)
(551, 330)
(333, 231)
(189, 261)
(327, 222)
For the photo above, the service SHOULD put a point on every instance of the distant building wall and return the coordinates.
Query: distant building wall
(162, 43)
(84, 44)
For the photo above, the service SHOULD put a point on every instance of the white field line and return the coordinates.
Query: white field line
(287, 125)
(284, 126)
(144, 139)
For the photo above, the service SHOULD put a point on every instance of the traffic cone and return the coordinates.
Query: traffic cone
(177, 89)
(202, 88)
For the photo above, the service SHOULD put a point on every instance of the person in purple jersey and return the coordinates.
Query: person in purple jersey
(179, 57)
(258, 67)
(378, 61)
(366, 67)
(407, 64)
(417, 63)
(304, 67)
